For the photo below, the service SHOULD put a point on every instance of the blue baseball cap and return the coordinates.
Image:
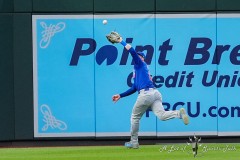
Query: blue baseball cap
(141, 54)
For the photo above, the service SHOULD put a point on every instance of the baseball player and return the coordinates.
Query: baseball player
(148, 96)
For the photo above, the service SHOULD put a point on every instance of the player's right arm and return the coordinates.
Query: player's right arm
(130, 91)
(115, 97)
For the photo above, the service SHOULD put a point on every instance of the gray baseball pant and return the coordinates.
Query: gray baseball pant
(146, 99)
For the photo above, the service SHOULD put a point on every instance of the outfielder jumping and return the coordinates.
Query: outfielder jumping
(148, 96)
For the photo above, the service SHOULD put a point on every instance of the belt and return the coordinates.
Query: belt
(145, 89)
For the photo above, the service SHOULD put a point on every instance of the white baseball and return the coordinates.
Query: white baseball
(104, 21)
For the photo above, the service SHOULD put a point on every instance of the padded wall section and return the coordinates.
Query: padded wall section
(228, 5)
(124, 6)
(6, 80)
(22, 5)
(63, 6)
(23, 78)
(185, 5)
(6, 6)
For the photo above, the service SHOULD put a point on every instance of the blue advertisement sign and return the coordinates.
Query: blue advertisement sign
(63, 95)
(228, 80)
(193, 63)
(184, 38)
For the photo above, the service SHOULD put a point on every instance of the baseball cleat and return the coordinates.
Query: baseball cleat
(184, 116)
(132, 145)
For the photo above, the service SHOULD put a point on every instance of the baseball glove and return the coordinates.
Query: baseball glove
(113, 37)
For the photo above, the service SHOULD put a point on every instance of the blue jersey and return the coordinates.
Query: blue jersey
(142, 79)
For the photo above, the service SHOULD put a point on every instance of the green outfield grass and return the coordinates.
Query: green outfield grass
(145, 152)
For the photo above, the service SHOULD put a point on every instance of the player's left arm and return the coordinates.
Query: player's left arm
(134, 54)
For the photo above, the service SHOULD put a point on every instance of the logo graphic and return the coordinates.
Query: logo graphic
(194, 143)
(49, 32)
(50, 120)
